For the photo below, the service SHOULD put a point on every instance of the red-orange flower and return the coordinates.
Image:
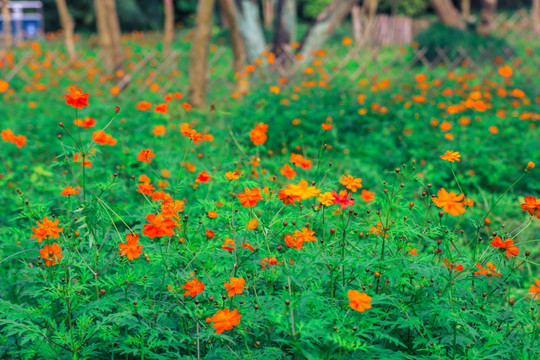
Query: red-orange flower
(51, 254)
(236, 286)
(69, 190)
(532, 206)
(258, 134)
(102, 138)
(269, 261)
(131, 248)
(85, 123)
(225, 320)
(203, 177)
(451, 156)
(489, 270)
(193, 287)
(249, 198)
(161, 108)
(159, 226)
(451, 266)
(294, 242)
(305, 235)
(343, 199)
(76, 98)
(8, 136)
(143, 105)
(327, 126)
(367, 196)
(359, 301)
(46, 230)
(146, 156)
(288, 171)
(535, 289)
(507, 245)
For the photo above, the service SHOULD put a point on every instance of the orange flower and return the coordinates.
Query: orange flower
(359, 301)
(236, 286)
(146, 156)
(350, 182)
(161, 108)
(535, 289)
(225, 320)
(326, 126)
(212, 214)
(231, 175)
(186, 106)
(69, 190)
(532, 206)
(326, 198)
(294, 242)
(252, 224)
(46, 230)
(305, 235)
(489, 270)
(450, 202)
(143, 105)
(85, 123)
(195, 136)
(269, 261)
(286, 198)
(228, 244)
(530, 165)
(76, 98)
(299, 160)
(413, 252)
(367, 196)
(8, 136)
(146, 189)
(507, 245)
(301, 190)
(193, 287)
(451, 156)
(131, 248)
(159, 226)
(249, 198)
(51, 253)
(505, 71)
(102, 138)
(288, 171)
(159, 130)
(258, 134)
(451, 266)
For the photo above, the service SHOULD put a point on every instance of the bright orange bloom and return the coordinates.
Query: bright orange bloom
(225, 320)
(161, 196)
(451, 156)
(530, 165)
(143, 105)
(302, 190)
(159, 226)
(294, 242)
(146, 189)
(79, 158)
(326, 126)
(69, 190)
(252, 224)
(46, 230)
(76, 98)
(146, 156)
(231, 175)
(161, 108)
(131, 248)
(288, 172)
(195, 136)
(350, 182)
(326, 198)
(212, 214)
(507, 245)
(51, 254)
(102, 138)
(413, 251)
(450, 202)
(359, 301)
(367, 196)
(505, 71)
(249, 198)
(248, 246)
(532, 206)
(85, 123)
(8, 136)
(378, 230)
(172, 209)
(186, 106)
(269, 261)
(489, 270)
(299, 160)
(193, 287)
(286, 198)
(236, 286)
(258, 134)
(535, 290)
(451, 266)
(305, 235)
(228, 244)
(159, 130)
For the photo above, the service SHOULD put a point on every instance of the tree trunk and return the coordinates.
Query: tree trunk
(67, 26)
(250, 28)
(448, 14)
(466, 9)
(281, 46)
(168, 34)
(268, 13)
(356, 16)
(6, 20)
(198, 57)
(535, 16)
(487, 16)
(239, 53)
(371, 8)
(109, 34)
(324, 25)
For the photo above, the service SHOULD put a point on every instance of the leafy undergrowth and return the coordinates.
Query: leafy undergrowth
(398, 219)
